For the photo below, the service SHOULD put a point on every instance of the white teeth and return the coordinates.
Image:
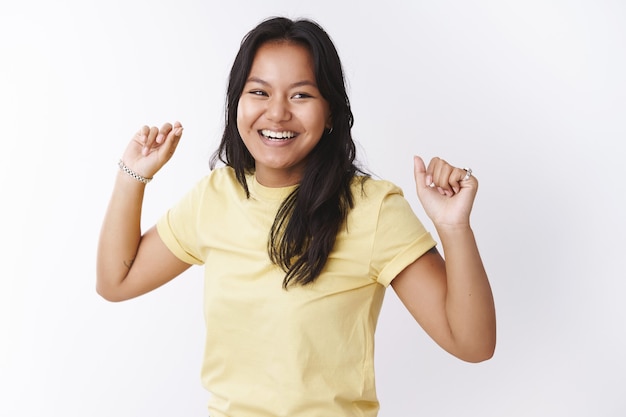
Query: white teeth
(277, 135)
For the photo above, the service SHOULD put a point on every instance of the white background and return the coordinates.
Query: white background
(530, 94)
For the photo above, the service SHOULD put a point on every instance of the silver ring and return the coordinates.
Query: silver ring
(431, 185)
(468, 174)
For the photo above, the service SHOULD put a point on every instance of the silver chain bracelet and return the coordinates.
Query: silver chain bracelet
(132, 173)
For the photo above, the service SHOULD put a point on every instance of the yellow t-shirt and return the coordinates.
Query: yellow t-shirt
(308, 350)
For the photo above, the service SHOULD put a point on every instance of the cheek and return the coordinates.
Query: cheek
(247, 114)
(323, 119)
(315, 118)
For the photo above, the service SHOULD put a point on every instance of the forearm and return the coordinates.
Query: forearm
(469, 301)
(120, 234)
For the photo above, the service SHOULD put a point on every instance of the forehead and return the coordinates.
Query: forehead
(277, 60)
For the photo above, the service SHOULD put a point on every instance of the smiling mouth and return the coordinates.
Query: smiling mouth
(277, 136)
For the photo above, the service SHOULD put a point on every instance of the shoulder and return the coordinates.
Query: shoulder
(221, 180)
(224, 175)
(375, 198)
(368, 190)
(219, 185)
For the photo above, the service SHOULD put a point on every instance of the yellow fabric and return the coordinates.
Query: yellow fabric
(306, 351)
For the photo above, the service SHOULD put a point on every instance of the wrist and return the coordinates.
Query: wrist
(128, 185)
(132, 174)
(452, 230)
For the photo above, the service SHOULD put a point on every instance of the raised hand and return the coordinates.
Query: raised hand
(151, 148)
(446, 192)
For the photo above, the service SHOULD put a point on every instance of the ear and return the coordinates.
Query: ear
(329, 122)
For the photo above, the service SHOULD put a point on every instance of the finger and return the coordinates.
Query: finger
(144, 131)
(171, 142)
(178, 129)
(165, 130)
(150, 140)
(445, 172)
(142, 134)
(436, 168)
(419, 172)
(441, 172)
(468, 179)
(466, 174)
(432, 165)
(456, 178)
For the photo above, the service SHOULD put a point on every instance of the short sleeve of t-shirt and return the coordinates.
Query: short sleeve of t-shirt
(178, 227)
(400, 238)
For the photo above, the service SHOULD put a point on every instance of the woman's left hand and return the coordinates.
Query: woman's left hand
(446, 192)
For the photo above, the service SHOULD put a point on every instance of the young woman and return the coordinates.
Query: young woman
(299, 245)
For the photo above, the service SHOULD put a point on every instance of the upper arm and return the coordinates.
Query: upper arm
(422, 288)
(153, 266)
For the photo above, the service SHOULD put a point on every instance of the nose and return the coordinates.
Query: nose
(277, 109)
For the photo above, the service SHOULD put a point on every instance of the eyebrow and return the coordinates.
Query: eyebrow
(296, 84)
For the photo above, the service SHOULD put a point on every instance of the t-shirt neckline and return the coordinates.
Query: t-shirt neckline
(268, 193)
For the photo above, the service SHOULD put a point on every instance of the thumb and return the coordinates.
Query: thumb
(419, 171)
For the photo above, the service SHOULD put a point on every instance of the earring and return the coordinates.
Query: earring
(329, 131)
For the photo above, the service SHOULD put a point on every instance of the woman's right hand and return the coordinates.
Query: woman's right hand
(129, 263)
(151, 148)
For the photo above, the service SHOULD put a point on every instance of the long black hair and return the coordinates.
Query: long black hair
(308, 220)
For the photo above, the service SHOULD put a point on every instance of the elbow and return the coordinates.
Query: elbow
(109, 286)
(480, 347)
(104, 294)
(478, 354)
(478, 357)
(109, 294)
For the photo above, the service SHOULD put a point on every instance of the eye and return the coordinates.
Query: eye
(301, 95)
(259, 93)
